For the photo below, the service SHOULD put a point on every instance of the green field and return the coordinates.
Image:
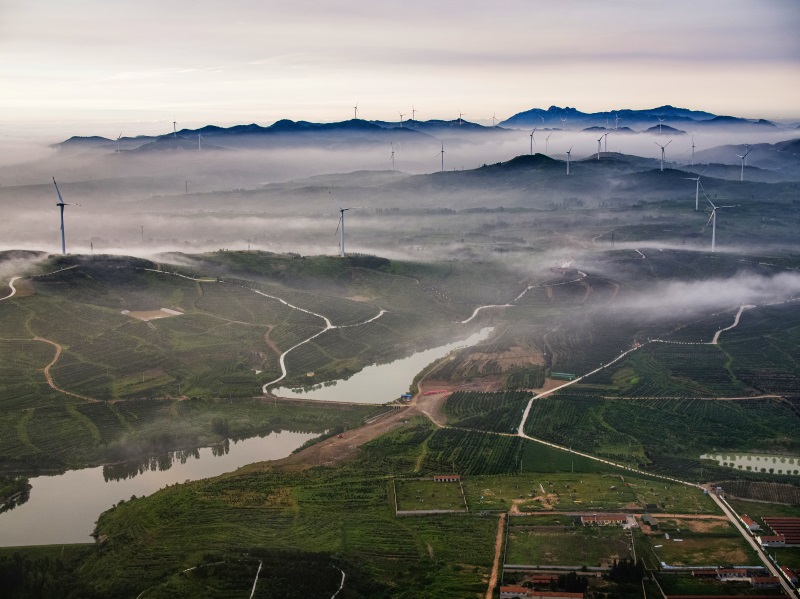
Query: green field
(564, 492)
(711, 543)
(428, 495)
(566, 546)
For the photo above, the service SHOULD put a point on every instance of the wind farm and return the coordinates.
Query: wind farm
(507, 370)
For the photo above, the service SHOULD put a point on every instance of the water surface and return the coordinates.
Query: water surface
(63, 508)
(380, 383)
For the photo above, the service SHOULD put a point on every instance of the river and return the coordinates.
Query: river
(380, 383)
(63, 508)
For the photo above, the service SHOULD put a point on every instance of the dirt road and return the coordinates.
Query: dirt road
(498, 553)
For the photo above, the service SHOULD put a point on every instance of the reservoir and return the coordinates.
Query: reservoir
(757, 462)
(380, 383)
(63, 508)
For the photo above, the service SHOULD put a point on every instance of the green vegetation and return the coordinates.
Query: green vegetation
(428, 495)
(499, 412)
(700, 543)
(663, 435)
(566, 545)
(75, 434)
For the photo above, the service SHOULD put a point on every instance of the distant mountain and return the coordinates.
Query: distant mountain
(634, 119)
(664, 130)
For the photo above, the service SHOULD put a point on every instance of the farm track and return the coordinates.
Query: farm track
(522, 294)
(498, 552)
(49, 377)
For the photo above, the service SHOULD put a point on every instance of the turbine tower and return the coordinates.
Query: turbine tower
(546, 139)
(743, 158)
(200, 139)
(660, 122)
(599, 145)
(340, 225)
(442, 153)
(460, 114)
(533, 141)
(355, 111)
(605, 143)
(174, 129)
(663, 152)
(563, 122)
(616, 121)
(61, 205)
(391, 142)
(569, 154)
(697, 190)
(402, 114)
(413, 113)
(692, 150)
(118, 138)
(494, 118)
(713, 220)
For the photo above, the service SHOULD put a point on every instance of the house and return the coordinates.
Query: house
(650, 521)
(704, 573)
(512, 592)
(604, 520)
(447, 478)
(790, 575)
(735, 574)
(751, 524)
(772, 540)
(765, 582)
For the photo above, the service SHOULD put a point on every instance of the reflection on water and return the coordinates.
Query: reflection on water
(380, 383)
(757, 462)
(64, 508)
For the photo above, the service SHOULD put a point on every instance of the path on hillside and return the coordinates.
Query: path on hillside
(735, 323)
(16, 278)
(498, 552)
(49, 376)
(521, 295)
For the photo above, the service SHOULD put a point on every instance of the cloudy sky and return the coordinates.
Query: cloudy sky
(94, 65)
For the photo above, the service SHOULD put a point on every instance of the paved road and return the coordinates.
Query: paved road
(734, 518)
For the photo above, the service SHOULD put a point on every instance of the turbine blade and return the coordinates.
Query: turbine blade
(60, 199)
(669, 142)
(333, 198)
(337, 226)
(701, 174)
(709, 219)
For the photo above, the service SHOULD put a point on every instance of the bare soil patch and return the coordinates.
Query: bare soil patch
(148, 315)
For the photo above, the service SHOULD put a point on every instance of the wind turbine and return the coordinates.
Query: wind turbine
(663, 152)
(401, 117)
(200, 138)
(340, 225)
(442, 153)
(713, 220)
(660, 121)
(391, 142)
(460, 114)
(599, 140)
(355, 111)
(605, 143)
(697, 191)
(546, 139)
(563, 122)
(118, 138)
(616, 121)
(413, 113)
(743, 157)
(747, 149)
(174, 129)
(61, 205)
(693, 153)
(494, 118)
(569, 154)
(542, 119)
(533, 141)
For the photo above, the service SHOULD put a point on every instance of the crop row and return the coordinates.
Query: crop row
(472, 452)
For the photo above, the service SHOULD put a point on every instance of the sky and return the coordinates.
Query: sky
(97, 66)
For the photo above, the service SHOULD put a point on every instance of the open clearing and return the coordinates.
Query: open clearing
(566, 546)
(428, 495)
(148, 315)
